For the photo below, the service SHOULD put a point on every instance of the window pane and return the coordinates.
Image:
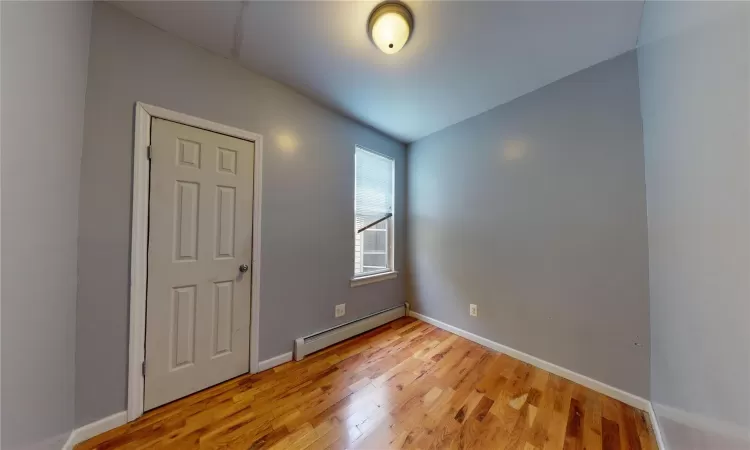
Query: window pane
(373, 187)
(373, 201)
(375, 260)
(375, 241)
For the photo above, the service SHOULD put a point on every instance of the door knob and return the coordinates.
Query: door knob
(244, 268)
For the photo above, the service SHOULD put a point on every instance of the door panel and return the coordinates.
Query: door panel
(225, 206)
(200, 233)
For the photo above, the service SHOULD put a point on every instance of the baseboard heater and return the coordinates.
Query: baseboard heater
(318, 341)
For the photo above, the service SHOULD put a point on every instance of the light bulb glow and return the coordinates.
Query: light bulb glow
(390, 27)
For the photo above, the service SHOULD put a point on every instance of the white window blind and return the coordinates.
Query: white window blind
(373, 201)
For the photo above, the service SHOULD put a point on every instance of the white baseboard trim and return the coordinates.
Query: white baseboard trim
(277, 360)
(656, 427)
(603, 388)
(702, 423)
(86, 432)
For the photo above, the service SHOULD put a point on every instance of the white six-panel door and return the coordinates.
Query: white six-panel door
(200, 237)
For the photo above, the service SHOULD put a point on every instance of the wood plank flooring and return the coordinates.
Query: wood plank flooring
(404, 385)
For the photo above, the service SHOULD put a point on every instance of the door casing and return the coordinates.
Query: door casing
(139, 240)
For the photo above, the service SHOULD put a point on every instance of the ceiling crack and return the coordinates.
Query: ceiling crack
(239, 30)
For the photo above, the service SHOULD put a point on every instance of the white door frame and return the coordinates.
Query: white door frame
(139, 241)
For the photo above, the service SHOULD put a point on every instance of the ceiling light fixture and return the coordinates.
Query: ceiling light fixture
(390, 25)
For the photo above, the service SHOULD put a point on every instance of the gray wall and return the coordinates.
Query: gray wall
(695, 93)
(44, 60)
(535, 211)
(308, 196)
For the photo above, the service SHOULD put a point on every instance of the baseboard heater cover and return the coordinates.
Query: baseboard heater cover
(318, 341)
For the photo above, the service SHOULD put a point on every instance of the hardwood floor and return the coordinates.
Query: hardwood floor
(404, 385)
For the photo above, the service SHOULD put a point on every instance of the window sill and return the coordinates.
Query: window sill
(367, 279)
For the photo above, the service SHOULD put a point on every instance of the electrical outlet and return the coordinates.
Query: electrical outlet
(473, 310)
(340, 310)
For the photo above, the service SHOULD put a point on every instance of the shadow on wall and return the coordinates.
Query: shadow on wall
(694, 68)
(686, 437)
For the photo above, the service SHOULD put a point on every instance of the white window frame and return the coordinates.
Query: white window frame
(390, 272)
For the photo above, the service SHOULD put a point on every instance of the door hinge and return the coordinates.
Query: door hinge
(143, 368)
(149, 152)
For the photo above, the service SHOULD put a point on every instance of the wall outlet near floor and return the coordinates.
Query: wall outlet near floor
(340, 310)
(473, 310)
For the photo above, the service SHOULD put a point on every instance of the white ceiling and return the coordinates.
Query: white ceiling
(463, 58)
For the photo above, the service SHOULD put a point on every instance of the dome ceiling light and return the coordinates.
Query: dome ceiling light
(390, 26)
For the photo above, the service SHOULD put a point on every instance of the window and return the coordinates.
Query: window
(373, 213)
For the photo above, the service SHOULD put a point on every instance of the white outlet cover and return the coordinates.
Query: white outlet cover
(340, 310)
(473, 310)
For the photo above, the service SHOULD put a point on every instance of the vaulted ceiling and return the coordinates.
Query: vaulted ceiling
(463, 58)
